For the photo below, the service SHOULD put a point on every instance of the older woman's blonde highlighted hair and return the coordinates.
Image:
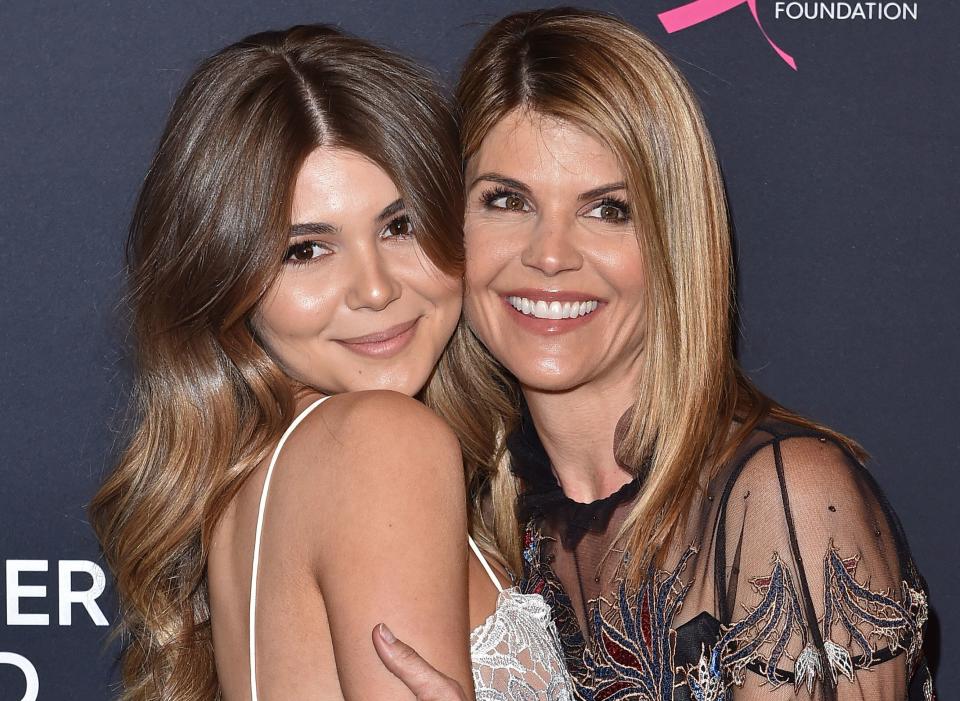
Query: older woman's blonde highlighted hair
(601, 74)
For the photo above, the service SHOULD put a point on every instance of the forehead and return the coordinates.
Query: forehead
(537, 148)
(337, 182)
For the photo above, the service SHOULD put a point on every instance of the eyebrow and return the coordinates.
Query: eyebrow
(503, 180)
(324, 229)
(601, 191)
(312, 229)
(391, 209)
(519, 186)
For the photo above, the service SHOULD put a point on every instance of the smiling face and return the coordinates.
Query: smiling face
(357, 305)
(556, 288)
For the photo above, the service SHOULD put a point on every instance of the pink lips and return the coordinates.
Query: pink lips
(382, 343)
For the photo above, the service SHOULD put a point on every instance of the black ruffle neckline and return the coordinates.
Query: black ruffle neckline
(542, 496)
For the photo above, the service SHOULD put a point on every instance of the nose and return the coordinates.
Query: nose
(551, 248)
(373, 285)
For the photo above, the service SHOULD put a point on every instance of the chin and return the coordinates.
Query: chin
(547, 375)
(409, 383)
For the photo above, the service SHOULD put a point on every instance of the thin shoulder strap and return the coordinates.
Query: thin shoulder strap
(486, 565)
(256, 544)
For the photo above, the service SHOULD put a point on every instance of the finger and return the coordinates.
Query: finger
(426, 683)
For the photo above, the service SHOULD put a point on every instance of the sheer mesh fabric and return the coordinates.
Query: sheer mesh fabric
(790, 578)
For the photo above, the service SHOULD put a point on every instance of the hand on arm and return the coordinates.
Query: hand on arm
(425, 682)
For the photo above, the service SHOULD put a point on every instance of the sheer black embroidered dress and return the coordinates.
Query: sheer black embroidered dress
(792, 578)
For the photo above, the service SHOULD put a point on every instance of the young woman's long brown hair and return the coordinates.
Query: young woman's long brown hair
(603, 75)
(208, 237)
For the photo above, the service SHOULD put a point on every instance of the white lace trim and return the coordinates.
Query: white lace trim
(516, 652)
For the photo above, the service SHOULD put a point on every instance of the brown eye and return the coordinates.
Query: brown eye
(501, 199)
(305, 251)
(513, 202)
(401, 227)
(610, 213)
(610, 210)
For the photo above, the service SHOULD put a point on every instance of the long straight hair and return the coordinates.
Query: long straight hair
(208, 238)
(604, 76)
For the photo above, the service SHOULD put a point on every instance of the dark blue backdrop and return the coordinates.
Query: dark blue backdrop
(841, 175)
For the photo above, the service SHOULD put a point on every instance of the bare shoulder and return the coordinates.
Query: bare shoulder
(368, 476)
(369, 430)
(377, 417)
(369, 448)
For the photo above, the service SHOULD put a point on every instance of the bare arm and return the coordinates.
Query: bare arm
(393, 538)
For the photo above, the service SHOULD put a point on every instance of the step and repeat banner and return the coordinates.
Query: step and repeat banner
(836, 124)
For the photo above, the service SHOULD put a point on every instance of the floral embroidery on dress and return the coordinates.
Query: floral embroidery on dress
(538, 578)
(633, 638)
(854, 607)
(632, 646)
(772, 622)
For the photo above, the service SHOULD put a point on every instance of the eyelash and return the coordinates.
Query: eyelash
(405, 218)
(619, 204)
(291, 260)
(487, 197)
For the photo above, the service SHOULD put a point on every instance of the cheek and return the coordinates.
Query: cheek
(444, 292)
(299, 305)
(629, 280)
(417, 273)
(631, 284)
(480, 270)
(486, 253)
(621, 263)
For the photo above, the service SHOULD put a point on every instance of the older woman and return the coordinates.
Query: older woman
(694, 538)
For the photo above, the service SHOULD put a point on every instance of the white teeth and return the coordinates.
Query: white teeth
(552, 310)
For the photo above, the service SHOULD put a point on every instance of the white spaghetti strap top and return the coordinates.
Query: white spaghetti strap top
(486, 565)
(256, 544)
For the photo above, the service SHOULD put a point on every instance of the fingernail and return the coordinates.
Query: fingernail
(386, 634)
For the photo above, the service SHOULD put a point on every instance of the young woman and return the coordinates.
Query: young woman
(297, 243)
(694, 539)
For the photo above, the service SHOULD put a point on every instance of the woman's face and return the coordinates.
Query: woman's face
(555, 276)
(358, 304)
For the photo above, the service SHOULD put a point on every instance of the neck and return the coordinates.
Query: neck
(304, 396)
(577, 429)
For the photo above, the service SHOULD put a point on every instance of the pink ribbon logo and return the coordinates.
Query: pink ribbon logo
(702, 10)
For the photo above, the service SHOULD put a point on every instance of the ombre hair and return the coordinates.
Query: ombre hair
(601, 74)
(208, 239)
